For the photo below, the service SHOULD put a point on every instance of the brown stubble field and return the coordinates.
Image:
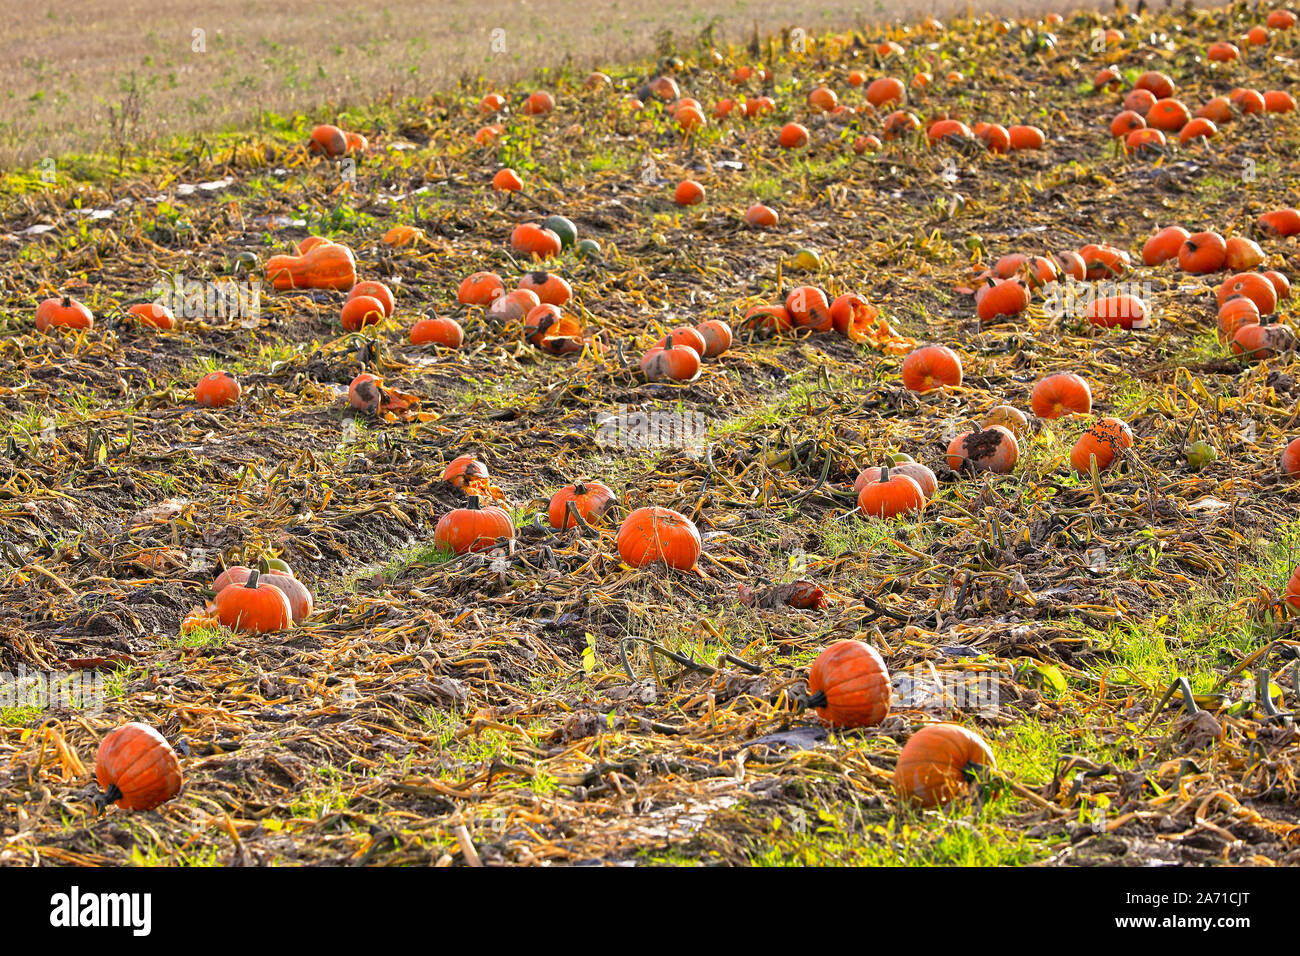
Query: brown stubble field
(83, 74)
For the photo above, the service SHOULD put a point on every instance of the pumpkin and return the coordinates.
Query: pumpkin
(1281, 284)
(1235, 313)
(761, 217)
(768, 317)
(1102, 441)
(1280, 20)
(670, 362)
(548, 328)
(1041, 271)
(254, 607)
(488, 135)
(1026, 137)
(758, 105)
(1291, 458)
(1061, 394)
(1250, 285)
(481, 288)
(310, 243)
(992, 449)
(902, 465)
(1279, 101)
(1164, 245)
(808, 308)
(465, 472)
(1007, 297)
(899, 124)
(690, 118)
(1217, 110)
(1222, 51)
(63, 313)
(823, 98)
(1009, 265)
(686, 337)
(365, 393)
(327, 140)
(893, 493)
(886, 89)
(949, 131)
(1108, 78)
(514, 306)
(437, 330)
(649, 535)
(1279, 223)
(236, 574)
(931, 367)
(723, 108)
(507, 181)
(848, 685)
(1247, 101)
(590, 499)
(1199, 128)
(1140, 101)
(1242, 254)
(137, 768)
(596, 80)
(473, 528)
(548, 287)
(1202, 252)
(539, 103)
(853, 316)
(1258, 342)
(995, 137)
(664, 87)
(153, 315)
(1161, 85)
(299, 598)
(1103, 261)
(717, 337)
(1256, 36)
(1145, 142)
(1125, 123)
(938, 763)
(562, 227)
(361, 311)
(1168, 115)
(491, 103)
(403, 235)
(325, 266)
(217, 389)
(375, 290)
(1072, 265)
(866, 144)
(688, 193)
(1123, 311)
(533, 240)
(1008, 416)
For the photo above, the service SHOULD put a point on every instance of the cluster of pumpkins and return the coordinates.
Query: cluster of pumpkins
(260, 600)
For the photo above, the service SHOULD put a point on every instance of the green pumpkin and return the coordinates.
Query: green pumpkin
(589, 248)
(564, 228)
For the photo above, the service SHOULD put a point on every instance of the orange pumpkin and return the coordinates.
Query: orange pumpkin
(1007, 297)
(217, 389)
(361, 311)
(539, 103)
(153, 315)
(549, 288)
(992, 449)
(473, 528)
(808, 308)
(466, 472)
(327, 140)
(686, 337)
(1291, 458)
(254, 607)
(1202, 252)
(1061, 394)
(507, 181)
(137, 768)
(650, 535)
(480, 288)
(938, 763)
(376, 290)
(533, 240)
(328, 265)
(1279, 223)
(891, 494)
(1251, 285)
(931, 367)
(1169, 115)
(63, 313)
(688, 193)
(1122, 311)
(590, 499)
(848, 685)
(793, 136)
(761, 217)
(552, 330)
(717, 337)
(923, 476)
(438, 330)
(886, 89)
(670, 362)
(1164, 245)
(1102, 441)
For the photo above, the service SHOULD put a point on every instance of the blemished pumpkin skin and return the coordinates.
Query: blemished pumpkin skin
(590, 499)
(1061, 394)
(327, 140)
(993, 449)
(1164, 245)
(688, 193)
(1006, 298)
(300, 600)
(153, 315)
(137, 768)
(650, 535)
(1290, 459)
(1103, 261)
(254, 607)
(1102, 441)
(1125, 123)
(899, 124)
(1008, 416)
(761, 217)
(375, 290)
(923, 476)
(1202, 253)
(1251, 285)
(63, 313)
(366, 393)
(717, 336)
(473, 528)
(1254, 343)
(552, 330)
(893, 493)
(217, 389)
(438, 330)
(1279, 223)
(1117, 311)
(848, 685)
(809, 308)
(937, 763)
(480, 288)
(1242, 254)
(465, 471)
(549, 288)
(361, 311)
(514, 306)
(931, 367)
(328, 265)
(686, 337)
(1072, 265)
(852, 315)
(671, 363)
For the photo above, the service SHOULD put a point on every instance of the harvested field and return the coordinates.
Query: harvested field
(1119, 636)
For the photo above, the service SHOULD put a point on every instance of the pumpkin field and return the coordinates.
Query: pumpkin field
(876, 447)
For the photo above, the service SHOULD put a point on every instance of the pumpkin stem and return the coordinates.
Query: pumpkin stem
(884, 474)
(579, 488)
(816, 700)
(472, 503)
(106, 797)
(67, 301)
(253, 575)
(263, 565)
